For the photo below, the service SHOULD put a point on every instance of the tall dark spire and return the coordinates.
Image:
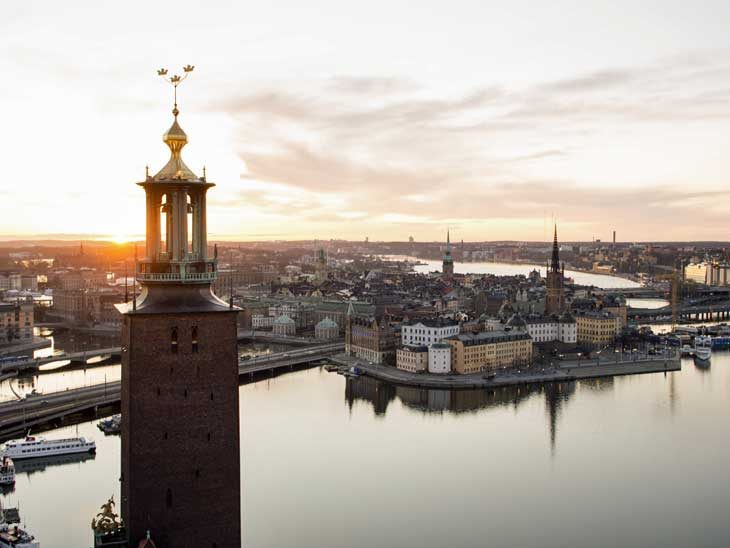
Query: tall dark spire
(555, 264)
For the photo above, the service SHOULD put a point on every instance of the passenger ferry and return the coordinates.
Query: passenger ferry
(33, 446)
(703, 348)
(7, 471)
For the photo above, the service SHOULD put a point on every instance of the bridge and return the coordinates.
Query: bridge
(268, 336)
(82, 357)
(54, 407)
(707, 311)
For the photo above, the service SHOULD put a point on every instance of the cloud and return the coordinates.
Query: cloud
(380, 150)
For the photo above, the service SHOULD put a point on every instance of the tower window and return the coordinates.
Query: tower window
(195, 339)
(173, 341)
(197, 472)
(168, 498)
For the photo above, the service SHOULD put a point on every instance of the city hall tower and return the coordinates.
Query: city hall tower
(180, 425)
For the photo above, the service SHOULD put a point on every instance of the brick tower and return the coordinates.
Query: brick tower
(180, 427)
(555, 295)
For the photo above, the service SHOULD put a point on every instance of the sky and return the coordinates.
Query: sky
(372, 119)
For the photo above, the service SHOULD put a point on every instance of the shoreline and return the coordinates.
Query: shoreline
(569, 268)
(566, 372)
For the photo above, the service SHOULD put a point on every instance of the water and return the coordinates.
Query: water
(637, 461)
(512, 269)
(652, 304)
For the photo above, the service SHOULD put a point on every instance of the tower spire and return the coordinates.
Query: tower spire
(555, 264)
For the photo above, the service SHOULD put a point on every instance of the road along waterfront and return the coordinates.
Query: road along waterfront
(626, 364)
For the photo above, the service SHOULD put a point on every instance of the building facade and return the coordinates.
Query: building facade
(412, 358)
(16, 322)
(545, 329)
(285, 326)
(428, 331)
(475, 352)
(439, 358)
(326, 329)
(180, 479)
(370, 338)
(597, 328)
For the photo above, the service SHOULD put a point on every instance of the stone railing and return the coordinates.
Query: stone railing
(176, 276)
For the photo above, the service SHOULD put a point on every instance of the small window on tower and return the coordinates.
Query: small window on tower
(195, 338)
(168, 498)
(173, 341)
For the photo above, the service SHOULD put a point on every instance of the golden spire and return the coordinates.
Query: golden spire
(175, 138)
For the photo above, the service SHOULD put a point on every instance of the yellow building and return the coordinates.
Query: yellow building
(412, 358)
(597, 328)
(474, 352)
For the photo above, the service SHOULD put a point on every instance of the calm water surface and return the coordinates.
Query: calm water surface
(635, 461)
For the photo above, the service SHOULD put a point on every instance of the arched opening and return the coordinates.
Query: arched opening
(165, 224)
(189, 221)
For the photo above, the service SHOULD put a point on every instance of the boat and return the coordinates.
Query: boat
(703, 348)
(112, 425)
(12, 536)
(687, 350)
(33, 446)
(7, 471)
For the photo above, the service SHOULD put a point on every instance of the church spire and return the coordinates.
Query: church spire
(555, 264)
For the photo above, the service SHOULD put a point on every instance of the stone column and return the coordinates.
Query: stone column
(203, 226)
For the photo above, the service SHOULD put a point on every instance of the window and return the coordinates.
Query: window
(168, 498)
(173, 341)
(195, 339)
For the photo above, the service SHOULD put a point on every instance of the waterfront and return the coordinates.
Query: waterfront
(539, 465)
(512, 269)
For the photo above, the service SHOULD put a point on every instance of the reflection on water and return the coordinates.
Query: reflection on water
(39, 464)
(627, 461)
(380, 394)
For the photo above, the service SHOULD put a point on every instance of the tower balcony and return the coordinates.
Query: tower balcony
(189, 271)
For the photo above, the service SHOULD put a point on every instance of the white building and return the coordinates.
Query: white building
(439, 358)
(284, 325)
(261, 321)
(553, 329)
(427, 332)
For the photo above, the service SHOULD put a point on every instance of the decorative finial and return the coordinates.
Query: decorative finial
(147, 172)
(203, 172)
(175, 80)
